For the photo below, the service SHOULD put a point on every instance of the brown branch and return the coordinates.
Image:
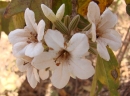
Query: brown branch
(74, 8)
(123, 49)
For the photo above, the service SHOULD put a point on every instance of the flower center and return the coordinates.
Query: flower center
(98, 34)
(63, 56)
(32, 38)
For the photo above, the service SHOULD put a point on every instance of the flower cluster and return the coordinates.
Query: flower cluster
(60, 53)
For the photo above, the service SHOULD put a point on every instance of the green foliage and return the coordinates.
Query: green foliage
(16, 6)
(128, 6)
(94, 83)
(108, 73)
(83, 5)
(57, 3)
(36, 7)
(127, 2)
(21, 5)
(100, 85)
(6, 25)
(83, 23)
(18, 20)
(128, 9)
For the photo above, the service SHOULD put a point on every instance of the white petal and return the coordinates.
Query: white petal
(44, 61)
(34, 49)
(82, 68)
(93, 13)
(54, 39)
(78, 45)
(48, 13)
(36, 74)
(18, 35)
(19, 49)
(40, 30)
(43, 74)
(20, 65)
(30, 77)
(30, 20)
(60, 12)
(108, 20)
(102, 50)
(113, 40)
(93, 31)
(60, 76)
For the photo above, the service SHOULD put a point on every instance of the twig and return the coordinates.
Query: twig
(124, 46)
(74, 5)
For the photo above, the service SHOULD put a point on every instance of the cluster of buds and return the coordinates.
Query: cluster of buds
(60, 52)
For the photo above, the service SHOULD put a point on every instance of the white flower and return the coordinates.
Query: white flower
(32, 75)
(50, 14)
(69, 58)
(102, 30)
(27, 41)
(24, 65)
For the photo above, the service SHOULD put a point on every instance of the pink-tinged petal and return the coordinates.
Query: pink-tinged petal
(40, 30)
(113, 39)
(60, 76)
(18, 35)
(102, 50)
(108, 20)
(110, 33)
(19, 49)
(54, 39)
(78, 45)
(27, 59)
(60, 12)
(36, 74)
(30, 77)
(44, 60)
(82, 68)
(43, 74)
(93, 13)
(20, 64)
(30, 20)
(48, 13)
(71, 73)
(34, 49)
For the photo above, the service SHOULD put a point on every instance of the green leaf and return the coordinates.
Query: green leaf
(16, 6)
(57, 3)
(18, 20)
(128, 9)
(3, 4)
(99, 84)
(127, 1)
(54, 93)
(74, 22)
(83, 22)
(5, 24)
(94, 83)
(36, 7)
(83, 5)
(108, 73)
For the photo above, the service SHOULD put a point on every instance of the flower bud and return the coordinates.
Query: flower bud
(48, 13)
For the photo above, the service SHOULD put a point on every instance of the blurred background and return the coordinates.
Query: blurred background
(14, 83)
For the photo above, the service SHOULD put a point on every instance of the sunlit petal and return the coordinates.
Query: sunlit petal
(54, 39)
